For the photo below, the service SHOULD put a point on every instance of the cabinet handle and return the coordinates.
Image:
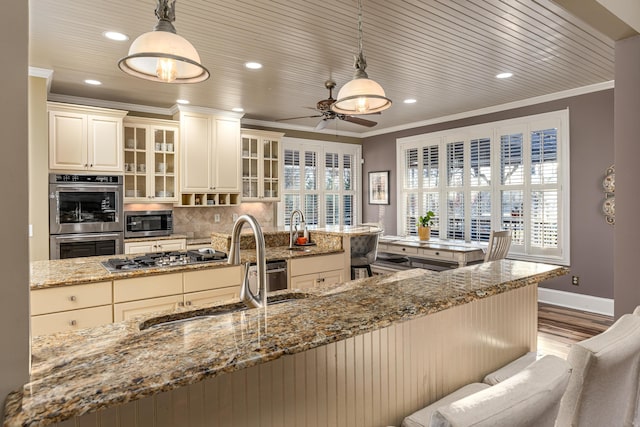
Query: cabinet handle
(188, 303)
(180, 304)
(73, 323)
(403, 249)
(437, 253)
(72, 298)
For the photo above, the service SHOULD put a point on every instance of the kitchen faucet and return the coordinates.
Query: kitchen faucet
(292, 227)
(246, 296)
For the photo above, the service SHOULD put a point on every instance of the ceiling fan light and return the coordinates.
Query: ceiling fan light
(361, 96)
(164, 56)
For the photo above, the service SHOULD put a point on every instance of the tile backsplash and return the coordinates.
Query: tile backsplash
(199, 222)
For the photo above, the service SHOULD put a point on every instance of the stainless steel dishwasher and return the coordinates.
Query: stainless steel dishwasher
(276, 275)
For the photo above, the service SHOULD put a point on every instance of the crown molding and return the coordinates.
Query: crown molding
(43, 73)
(497, 108)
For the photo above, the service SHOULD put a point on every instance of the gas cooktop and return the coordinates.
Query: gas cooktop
(164, 259)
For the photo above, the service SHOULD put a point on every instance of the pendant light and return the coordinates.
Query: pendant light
(361, 95)
(162, 55)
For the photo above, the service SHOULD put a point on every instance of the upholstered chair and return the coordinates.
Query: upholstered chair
(364, 250)
(529, 398)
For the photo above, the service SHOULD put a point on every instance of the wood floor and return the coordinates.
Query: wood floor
(559, 327)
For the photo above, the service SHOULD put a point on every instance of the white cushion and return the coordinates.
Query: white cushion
(529, 398)
(603, 389)
(422, 417)
(510, 369)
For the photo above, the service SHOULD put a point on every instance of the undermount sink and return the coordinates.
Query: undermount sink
(299, 249)
(211, 312)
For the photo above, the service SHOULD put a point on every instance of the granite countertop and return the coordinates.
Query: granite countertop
(76, 271)
(77, 372)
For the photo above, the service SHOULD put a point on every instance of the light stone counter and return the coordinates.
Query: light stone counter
(78, 372)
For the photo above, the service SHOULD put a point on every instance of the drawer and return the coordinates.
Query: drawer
(316, 264)
(147, 287)
(213, 278)
(128, 310)
(197, 299)
(65, 298)
(438, 254)
(71, 320)
(402, 250)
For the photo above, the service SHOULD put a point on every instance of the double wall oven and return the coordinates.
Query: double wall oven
(85, 215)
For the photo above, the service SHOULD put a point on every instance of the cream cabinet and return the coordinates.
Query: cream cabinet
(68, 308)
(313, 271)
(150, 160)
(210, 286)
(85, 138)
(161, 245)
(260, 165)
(209, 159)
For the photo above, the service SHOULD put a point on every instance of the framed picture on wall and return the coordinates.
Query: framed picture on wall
(379, 188)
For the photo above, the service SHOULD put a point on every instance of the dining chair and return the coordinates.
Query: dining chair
(529, 398)
(364, 250)
(499, 243)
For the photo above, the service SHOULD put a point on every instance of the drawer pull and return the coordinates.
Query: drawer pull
(180, 304)
(437, 253)
(72, 298)
(404, 249)
(188, 303)
(73, 323)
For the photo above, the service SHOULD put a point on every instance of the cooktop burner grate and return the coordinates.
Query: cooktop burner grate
(164, 259)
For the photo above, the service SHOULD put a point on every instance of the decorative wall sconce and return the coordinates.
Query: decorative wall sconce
(609, 204)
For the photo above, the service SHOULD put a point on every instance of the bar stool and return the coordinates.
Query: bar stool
(364, 250)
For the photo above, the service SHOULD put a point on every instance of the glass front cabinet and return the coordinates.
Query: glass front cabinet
(150, 159)
(260, 165)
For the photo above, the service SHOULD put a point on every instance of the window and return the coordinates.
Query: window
(511, 175)
(327, 195)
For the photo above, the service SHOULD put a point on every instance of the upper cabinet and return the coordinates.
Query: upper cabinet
(260, 165)
(150, 160)
(85, 138)
(209, 158)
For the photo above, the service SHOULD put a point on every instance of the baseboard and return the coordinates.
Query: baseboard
(578, 301)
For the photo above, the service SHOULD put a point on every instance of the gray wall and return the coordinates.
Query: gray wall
(14, 262)
(627, 154)
(591, 132)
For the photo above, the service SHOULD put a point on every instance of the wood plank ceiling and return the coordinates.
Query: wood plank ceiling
(445, 54)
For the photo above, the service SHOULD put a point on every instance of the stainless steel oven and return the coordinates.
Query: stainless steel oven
(85, 215)
(148, 223)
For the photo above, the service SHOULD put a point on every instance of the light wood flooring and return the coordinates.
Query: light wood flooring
(559, 327)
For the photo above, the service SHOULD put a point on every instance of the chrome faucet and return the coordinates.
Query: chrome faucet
(246, 296)
(292, 229)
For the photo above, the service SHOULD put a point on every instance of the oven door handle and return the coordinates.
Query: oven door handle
(277, 270)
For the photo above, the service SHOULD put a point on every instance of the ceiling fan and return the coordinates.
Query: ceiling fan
(325, 113)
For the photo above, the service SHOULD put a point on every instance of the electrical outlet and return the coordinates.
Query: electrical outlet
(575, 280)
(234, 217)
(216, 218)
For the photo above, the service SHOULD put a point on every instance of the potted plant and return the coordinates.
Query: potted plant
(424, 225)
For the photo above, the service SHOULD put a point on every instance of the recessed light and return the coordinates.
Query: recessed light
(253, 65)
(410, 101)
(93, 82)
(182, 101)
(504, 75)
(238, 109)
(113, 35)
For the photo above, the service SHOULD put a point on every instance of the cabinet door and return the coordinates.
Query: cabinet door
(171, 245)
(198, 299)
(162, 164)
(270, 169)
(127, 310)
(195, 153)
(67, 141)
(71, 320)
(226, 156)
(105, 144)
(140, 247)
(331, 278)
(65, 298)
(136, 187)
(306, 281)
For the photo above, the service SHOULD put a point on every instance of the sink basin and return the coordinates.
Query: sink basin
(211, 312)
(299, 249)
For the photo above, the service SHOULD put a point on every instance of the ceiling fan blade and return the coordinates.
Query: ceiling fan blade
(322, 124)
(301, 117)
(359, 121)
(367, 114)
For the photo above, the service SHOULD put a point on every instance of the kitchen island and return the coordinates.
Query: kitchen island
(365, 352)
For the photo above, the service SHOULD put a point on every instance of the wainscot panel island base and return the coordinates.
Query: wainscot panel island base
(362, 353)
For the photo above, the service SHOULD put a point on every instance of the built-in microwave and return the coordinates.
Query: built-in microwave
(148, 223)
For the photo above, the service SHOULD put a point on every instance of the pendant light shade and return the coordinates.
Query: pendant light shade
(361, 95)
(162, 55)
